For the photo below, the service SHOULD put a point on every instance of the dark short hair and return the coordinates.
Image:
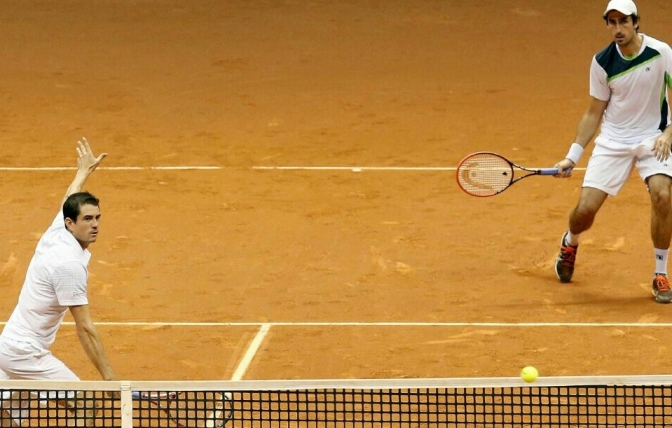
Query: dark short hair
(73, 203)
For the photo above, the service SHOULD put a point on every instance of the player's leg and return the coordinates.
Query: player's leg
(85, 408)
(15, 404)
(657, 176)
(7, 403)
(661, 212)
(23, 360)
(15, 408)
(583, 215)
(661, 233)
(6, 419)
(580, 220)
(81, 404)
(607, 171)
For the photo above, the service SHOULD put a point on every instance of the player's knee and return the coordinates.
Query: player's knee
(660, 199)
(584, 213)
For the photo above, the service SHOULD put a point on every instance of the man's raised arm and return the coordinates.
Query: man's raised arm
(86, 164)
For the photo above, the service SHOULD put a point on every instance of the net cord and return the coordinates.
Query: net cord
(128, 387)
(213, 418)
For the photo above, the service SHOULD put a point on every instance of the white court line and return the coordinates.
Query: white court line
(363, 168)
(113, 168)
(373, 324)
(350, 168)
(259, 168)
(251, 352)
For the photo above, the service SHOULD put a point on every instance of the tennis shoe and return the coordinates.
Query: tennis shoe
(661, 289)
(564, 265)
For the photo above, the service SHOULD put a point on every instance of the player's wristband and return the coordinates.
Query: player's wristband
(575, 152)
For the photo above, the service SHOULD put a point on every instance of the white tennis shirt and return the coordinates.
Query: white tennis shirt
(636, 89)
(56, 279)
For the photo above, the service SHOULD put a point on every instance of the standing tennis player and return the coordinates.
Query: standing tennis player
(629, 83)
(56, 281)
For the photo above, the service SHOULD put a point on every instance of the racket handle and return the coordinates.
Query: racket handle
(549, 171)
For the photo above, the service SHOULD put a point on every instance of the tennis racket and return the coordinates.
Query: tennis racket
(486, 174)
(194, 409)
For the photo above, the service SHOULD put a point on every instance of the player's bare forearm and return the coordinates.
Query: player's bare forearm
(587, 128)
(91, 342)
(590, 122)
(77, 185)
(94, 349)
(86, 164)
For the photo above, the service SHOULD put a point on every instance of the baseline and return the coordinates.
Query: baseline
(268, 325)
(258, 168)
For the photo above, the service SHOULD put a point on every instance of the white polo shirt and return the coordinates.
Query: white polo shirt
(56, 279)
(636, 89)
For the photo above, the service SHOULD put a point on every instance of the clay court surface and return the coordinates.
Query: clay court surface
(399, 85)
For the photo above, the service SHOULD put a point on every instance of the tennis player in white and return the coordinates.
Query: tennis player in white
(629, 84)
(56, 281)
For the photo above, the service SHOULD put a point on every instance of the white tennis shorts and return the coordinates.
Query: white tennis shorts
(611, 164)
(24, 360)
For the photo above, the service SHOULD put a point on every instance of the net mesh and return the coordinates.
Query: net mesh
(472, 407)
(493, 402)
(56, 408)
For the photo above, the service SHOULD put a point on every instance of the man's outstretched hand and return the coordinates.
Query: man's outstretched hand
(87, 162)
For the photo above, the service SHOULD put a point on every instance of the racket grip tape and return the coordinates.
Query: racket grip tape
(550, 171)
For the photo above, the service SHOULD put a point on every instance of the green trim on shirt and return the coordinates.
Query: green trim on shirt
(633, 67)
(616, 66)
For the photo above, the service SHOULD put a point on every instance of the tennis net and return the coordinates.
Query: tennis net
(607, 401)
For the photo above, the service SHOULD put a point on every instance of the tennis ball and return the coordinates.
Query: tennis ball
(529, 374)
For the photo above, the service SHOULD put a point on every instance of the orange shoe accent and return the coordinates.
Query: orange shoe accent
(661, 289)
(564, 264)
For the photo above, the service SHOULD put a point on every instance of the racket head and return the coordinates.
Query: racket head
(187, 409)
(484, 174)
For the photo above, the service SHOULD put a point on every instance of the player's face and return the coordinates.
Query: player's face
(85, 229)
(622, 29)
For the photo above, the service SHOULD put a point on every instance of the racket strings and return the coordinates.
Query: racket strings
(484, 174)
(188, 409)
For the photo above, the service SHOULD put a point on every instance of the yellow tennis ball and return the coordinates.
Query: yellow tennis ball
(529, 374)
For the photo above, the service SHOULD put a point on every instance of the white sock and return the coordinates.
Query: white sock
(661, 260)
(572, 239)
